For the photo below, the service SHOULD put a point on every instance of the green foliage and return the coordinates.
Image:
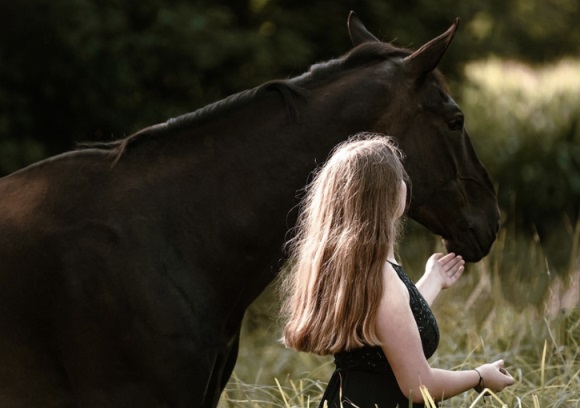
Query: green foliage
(81, 70)
(525, 124)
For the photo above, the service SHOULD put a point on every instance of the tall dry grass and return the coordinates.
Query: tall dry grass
(480, 321)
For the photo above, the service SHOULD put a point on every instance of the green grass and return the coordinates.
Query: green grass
(499, 309)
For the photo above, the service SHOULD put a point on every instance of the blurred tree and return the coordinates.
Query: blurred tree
(95, 70)
(527, 123)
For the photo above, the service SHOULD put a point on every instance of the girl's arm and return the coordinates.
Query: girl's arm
(401, 343)
(441, 271)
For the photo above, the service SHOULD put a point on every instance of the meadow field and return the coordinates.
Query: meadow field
(517, 304)
(481, 320)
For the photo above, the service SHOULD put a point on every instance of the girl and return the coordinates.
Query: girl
(345, 294)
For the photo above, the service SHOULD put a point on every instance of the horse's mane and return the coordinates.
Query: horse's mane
(363, 55)
(205, 114)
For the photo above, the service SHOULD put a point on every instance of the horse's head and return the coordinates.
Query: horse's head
(452, 194)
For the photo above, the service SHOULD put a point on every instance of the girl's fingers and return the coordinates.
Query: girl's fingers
(457, 273)
(453, 265)
(446, 258)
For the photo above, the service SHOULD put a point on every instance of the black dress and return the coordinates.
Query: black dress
(363, 376)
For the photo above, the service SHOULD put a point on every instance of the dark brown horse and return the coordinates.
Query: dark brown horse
(126, 269)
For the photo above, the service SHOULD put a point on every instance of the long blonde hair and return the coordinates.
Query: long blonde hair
(348, 221)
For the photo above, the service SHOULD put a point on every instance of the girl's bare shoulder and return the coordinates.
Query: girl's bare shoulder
(394, 290)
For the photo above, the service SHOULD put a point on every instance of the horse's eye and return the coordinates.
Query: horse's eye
(456, 123)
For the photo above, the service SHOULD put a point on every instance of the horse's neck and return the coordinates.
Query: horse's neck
(236, 179)
(260, 141)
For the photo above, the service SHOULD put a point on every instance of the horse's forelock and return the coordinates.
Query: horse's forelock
(362, 55)
(370, 52)
(373, 51)
(286, 89)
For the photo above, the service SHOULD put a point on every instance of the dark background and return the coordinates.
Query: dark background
(89, 70)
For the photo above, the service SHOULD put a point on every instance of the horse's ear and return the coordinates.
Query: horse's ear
(426, 58)
(358, 32)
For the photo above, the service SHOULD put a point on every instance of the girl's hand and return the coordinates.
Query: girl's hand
(495, 377)
(441, 271)
(444, 269)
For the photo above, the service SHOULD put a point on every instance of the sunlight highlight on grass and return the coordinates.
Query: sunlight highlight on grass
(429, 402)
(485, 394)
(543, 367)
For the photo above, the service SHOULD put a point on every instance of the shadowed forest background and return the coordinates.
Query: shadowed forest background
(75, 71)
